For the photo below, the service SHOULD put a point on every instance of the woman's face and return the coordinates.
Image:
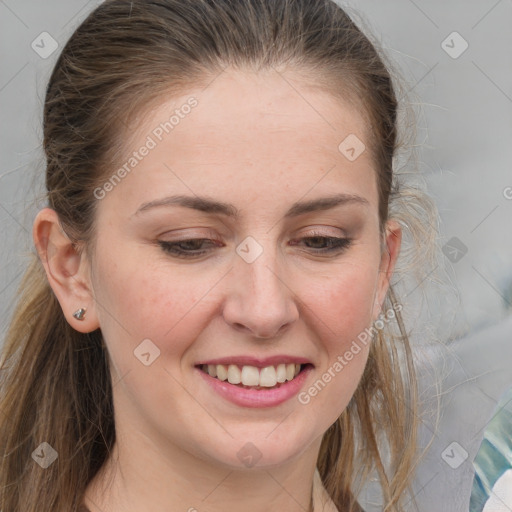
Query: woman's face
(283, 281)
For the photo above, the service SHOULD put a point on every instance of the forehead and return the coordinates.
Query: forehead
(244, 104)
(245, 131)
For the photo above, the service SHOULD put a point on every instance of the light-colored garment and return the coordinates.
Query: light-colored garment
(492, 484)
(322, 502)
(501, 497)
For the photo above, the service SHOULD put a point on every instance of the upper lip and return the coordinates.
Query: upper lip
(259, 362)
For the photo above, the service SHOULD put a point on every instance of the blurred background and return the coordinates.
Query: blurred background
(455, 61)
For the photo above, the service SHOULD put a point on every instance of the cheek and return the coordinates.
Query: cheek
(344, 300)
(138, 300)
(341, 308)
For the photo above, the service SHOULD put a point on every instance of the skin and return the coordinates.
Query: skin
(255, 142)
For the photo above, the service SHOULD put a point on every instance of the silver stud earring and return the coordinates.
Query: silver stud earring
(79, 313)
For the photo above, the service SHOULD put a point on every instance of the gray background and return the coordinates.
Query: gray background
(464, 139)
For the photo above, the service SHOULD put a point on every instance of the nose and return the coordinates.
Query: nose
(260, 300)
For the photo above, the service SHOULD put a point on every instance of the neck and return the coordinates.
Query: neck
(140, 475)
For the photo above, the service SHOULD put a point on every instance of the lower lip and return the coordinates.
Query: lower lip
(257, 397)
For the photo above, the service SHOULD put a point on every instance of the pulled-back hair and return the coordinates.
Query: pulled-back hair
(54, 381)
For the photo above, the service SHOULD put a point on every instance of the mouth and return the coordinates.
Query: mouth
(252, 377)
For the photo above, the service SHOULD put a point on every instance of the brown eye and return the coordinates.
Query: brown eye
(189, 248)
(326, 244)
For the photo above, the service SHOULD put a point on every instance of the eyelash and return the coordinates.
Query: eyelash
(336, 245)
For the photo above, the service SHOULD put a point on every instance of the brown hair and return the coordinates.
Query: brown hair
(55, 382)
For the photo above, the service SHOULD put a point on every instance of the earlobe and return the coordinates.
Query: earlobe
(66, 270)
(390, 252)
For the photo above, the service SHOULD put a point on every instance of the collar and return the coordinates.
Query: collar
(322, 502)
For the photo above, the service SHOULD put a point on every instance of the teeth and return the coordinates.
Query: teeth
(250, 376)
(234, 374)
(222, 372)
(267, 377)
(281, 372)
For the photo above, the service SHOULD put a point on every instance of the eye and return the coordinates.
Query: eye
(186, 248)
(326, 244)
(196, 247)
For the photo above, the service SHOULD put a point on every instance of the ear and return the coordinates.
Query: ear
(66, 268)
(389, 254)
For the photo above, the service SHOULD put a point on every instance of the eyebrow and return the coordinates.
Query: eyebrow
(207, 205)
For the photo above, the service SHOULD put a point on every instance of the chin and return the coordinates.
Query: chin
(256, 451)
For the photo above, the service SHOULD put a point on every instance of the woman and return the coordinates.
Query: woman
(210, 321)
